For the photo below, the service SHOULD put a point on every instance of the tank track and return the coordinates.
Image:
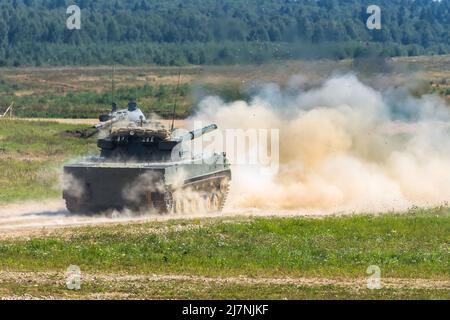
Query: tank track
(225, 195)
(203, 197)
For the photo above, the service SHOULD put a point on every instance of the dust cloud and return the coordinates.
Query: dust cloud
(144, 184)
(343, 147)
(72, 185)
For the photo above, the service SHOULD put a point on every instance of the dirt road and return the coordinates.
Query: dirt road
(20, 219)
(35, 217)
(111, 278)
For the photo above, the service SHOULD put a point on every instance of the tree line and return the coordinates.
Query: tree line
(177, 32)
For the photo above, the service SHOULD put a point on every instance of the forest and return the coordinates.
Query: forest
(183, 32)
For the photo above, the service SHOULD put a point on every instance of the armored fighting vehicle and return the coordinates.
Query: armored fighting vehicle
(144, 165)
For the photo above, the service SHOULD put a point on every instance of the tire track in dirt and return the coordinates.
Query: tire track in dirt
(59, 278)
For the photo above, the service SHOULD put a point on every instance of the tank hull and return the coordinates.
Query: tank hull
(91, 188)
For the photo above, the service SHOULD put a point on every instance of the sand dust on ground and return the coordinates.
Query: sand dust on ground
(37, 218)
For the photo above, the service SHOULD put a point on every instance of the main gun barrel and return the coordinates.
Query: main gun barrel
(199, 132)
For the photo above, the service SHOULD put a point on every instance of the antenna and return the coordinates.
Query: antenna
(175, 104)
(113, 104)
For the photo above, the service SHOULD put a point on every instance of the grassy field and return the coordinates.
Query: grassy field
(31, 157)
(86, 92)
(262, 258)
(188, 258)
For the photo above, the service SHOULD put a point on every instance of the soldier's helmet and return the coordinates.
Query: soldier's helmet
(132, 105)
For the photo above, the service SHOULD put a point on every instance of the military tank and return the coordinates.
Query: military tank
(144, 165)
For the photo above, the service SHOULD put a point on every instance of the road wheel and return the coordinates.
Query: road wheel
(213, 203)
(178, 205)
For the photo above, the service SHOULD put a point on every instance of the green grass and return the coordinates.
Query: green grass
(22, 179)
(413, 245)
(39, 138)
(89, 104)
(86, 92)
(158, 99)
(31, 156)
